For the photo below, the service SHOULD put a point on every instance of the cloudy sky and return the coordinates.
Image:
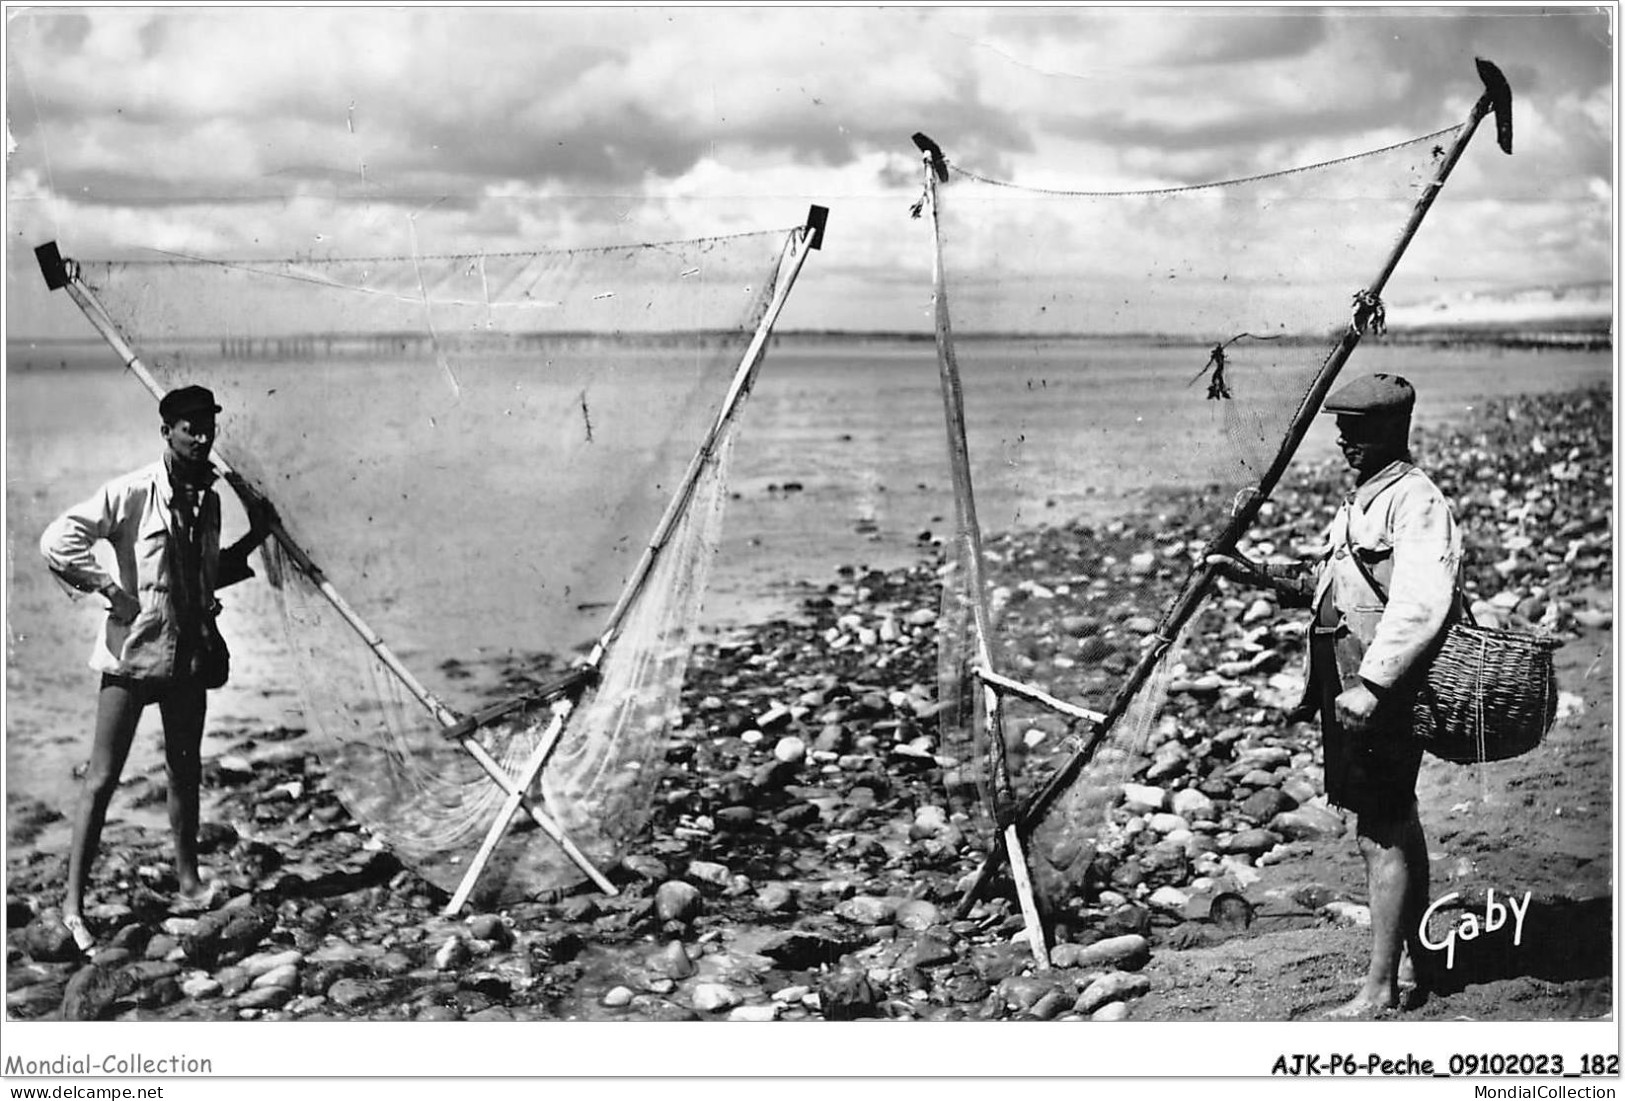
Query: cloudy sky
(279, 131)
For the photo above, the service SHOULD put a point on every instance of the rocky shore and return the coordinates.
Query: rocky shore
(806, 858)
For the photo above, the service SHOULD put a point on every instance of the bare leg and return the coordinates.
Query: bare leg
(183, 709)
(1415, 845)
(1396, 869)
(118, 710)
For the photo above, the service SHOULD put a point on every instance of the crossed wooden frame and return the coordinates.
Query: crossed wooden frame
(563, 695)
(1017, 819)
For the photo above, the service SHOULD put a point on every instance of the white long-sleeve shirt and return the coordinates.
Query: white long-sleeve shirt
(133, 514)
(1400, 523)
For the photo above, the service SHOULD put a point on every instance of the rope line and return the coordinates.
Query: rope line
(1204, 186)
(307, 269)
(186, 258)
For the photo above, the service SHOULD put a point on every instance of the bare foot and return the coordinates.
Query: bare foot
(198, 900)
(1363, 1005)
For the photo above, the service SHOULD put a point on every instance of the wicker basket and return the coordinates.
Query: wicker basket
(1489, 694)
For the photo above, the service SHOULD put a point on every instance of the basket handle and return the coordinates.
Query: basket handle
(1459, 609)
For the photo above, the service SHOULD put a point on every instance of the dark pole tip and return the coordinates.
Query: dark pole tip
(51, 265)
(1500, 93)
(939, 163)
(817, 218)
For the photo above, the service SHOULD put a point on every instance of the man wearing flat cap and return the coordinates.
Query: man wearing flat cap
(158, 643)
(1383, 592)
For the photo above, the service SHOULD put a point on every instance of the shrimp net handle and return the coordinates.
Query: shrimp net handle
(1496, 97)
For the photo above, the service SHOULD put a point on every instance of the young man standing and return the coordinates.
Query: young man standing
(162, 523)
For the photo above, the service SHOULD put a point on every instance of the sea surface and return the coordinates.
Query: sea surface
(840, 462)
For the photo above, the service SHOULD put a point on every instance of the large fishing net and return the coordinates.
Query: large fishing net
(1196, 319)
(494, 466)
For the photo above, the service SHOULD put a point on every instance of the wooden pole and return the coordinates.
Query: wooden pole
(790, 263)
(504, 817)
(802, 242)
(1010, 687)
(1196, 586)
(103, 323)
(1002, 788)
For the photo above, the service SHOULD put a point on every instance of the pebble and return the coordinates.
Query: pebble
(617, 997)
(353, 993)
(1022, 992)
(1265, 804)
(1252, 842)
(708, 997)
(773, 717)
(671, 961)
(1143, 799)
(1301, 791)
(233, 980)
(1257, 612)
(1125, 953)
(113, 957)
(764, 1012)
(775, 898)
(1169, 898)
(261, 962)
(645, 867)
(490, 927)
(1347, 913)
(1051, 1005)
(848, 993)
(285, 975)
(1309, 824)
(868, 910)
(918, 914)
(1114, 986)
(1192, 805)
(200, 986)
(1165, 823)
(453, 953)
(92, 992)
(161, 947)
(1244, 875)
(395, 962)
(705, 871)
(930, 952)
(676, 900)
(265, 997)
(35, 1000)
(1265, 757)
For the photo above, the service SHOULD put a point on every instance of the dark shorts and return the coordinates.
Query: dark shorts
(1372, 772)
(146, 690)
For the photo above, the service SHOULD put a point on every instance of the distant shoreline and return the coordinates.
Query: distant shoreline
(1568, 334)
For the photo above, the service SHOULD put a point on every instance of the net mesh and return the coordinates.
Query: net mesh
(475, 451)
(1197, 320)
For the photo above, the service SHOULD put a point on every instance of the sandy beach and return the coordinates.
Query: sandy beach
(777, 882)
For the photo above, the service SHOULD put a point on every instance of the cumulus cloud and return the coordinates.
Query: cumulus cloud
(210, 127)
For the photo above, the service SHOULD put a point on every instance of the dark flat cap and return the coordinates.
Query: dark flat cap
(187, 401)
(1372, 396)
